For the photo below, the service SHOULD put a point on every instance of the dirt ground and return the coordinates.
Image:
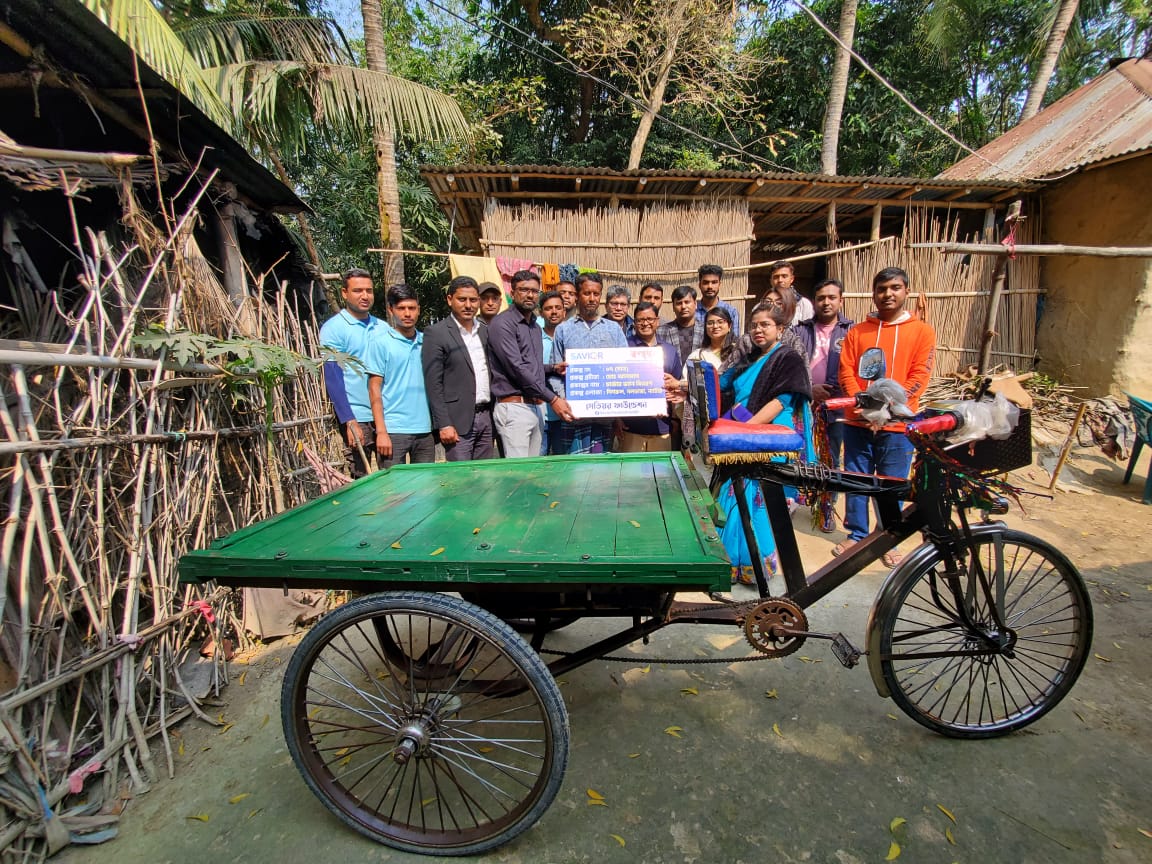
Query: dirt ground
(787, 760)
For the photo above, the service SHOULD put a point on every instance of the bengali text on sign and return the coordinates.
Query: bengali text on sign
(615, 382)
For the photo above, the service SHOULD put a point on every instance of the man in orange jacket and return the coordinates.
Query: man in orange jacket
(909, 347)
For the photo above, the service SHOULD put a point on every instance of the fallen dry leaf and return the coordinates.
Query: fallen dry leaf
(674, 731)
(946, 812)
(633, 755)
(397, 545)
(592, 793)
(553, 505)
(1145, 832)
(618, 839)
(335, 503)
(485, 749)
(646, 669)
(253, 813)
(596, 802)
(948, 834)
(776, 729)
(264, 722)
(475, 530)
(689, 691)
(369, 513)
(236, 799)
(243, 677)
(180, 749)
(895, 824)
(199, 817)
(893, 717)
(427, 801)
(634, 524)
(893, 852)
(437, 551)
(1102, 657)
(771, 694)
(227, 726)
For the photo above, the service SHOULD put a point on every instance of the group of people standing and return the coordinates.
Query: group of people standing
(481, 379)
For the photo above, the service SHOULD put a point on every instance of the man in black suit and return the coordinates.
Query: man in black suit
(456, 378)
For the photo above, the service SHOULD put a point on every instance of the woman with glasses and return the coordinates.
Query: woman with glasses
(769, 385)
(718, 338)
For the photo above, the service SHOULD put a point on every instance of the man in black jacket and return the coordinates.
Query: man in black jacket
(822, 337)
(456, 377)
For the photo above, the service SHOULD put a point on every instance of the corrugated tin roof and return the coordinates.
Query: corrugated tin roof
(1107, 118)
(787, 208)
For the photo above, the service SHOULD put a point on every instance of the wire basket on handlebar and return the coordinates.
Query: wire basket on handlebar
(992, 456)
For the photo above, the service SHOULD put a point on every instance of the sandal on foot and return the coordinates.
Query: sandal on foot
(891, 559)
(841, 547)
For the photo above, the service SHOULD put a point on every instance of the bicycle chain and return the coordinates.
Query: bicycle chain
(745, 606)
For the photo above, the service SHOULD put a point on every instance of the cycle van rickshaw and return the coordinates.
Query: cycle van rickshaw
(426, 722)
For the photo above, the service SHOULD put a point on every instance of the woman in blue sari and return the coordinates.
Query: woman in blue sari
(770, 386)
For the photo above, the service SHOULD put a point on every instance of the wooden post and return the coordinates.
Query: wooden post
(830, 233)
(1067, 448)
(998, 277)
(877, 212)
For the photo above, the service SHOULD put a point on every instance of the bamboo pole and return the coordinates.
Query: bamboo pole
(998, 276)
(1067, 448)
(1039, 249)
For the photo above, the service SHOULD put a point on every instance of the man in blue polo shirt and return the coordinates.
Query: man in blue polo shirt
(350, 331)
(396, 385)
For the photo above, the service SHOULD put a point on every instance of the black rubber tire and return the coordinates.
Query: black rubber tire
(1042, 599)
(489, 727)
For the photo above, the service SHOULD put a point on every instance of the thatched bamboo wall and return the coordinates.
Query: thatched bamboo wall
(108, 475)
(629, 245)
(955, 291)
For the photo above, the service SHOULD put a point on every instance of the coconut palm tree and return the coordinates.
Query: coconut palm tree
(838, 88)
(273, 79)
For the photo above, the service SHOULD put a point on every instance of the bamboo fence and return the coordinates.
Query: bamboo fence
(953, 292)
(662, 238)
(109, 473)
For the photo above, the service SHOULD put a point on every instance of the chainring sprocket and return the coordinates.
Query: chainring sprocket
(763, 626)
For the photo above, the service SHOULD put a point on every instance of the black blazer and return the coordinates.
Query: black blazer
(449, 379)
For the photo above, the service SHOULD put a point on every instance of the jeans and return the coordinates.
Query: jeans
(868, 452)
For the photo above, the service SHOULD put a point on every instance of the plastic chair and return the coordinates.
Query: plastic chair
(1142, 418)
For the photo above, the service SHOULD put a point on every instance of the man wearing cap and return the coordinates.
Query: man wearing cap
(516, 352)
(490, 297)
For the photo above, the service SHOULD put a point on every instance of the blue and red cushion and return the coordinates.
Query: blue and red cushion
(730, 436)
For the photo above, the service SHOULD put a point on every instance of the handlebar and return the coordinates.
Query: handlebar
(945, 422)
(840, 403)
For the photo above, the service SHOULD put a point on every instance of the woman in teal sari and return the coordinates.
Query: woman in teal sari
(771, 386)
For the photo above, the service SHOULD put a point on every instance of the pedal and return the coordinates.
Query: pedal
(845, 651)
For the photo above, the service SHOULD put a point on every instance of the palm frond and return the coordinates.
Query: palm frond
(270, 95)
(227, 39)
(146, 32)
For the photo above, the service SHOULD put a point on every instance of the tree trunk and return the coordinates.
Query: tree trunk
(654, 103)
(1048, 61)
(838, 88)
(387, 187)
